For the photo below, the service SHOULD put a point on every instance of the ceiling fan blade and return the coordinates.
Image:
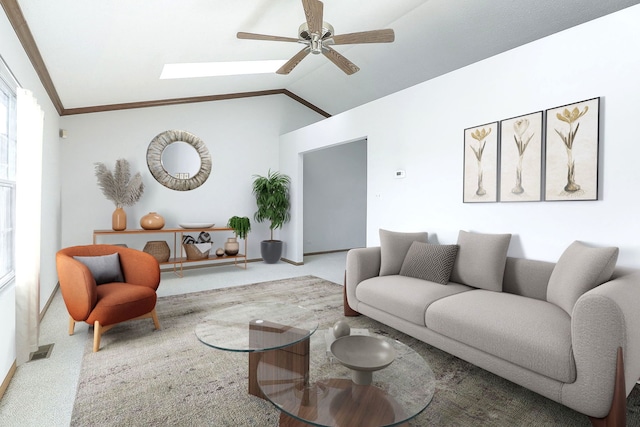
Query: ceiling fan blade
(343, 63)
(252, 36)
(375, 36)
(313, 10)
(291, 64)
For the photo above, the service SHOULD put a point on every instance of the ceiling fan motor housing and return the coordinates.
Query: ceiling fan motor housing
(315, 41)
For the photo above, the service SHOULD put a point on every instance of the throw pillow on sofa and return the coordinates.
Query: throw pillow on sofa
(481, 260)
(394, 247)
(104, 268)
(579, 269)
(429, 262)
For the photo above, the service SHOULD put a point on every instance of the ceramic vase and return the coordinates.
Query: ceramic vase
(152, 221)
(231, 246)
(219, 252)
(119, 219)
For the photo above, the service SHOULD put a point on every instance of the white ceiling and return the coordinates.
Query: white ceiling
(101, 52)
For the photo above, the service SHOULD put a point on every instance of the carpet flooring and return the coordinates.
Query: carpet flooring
(143, 377)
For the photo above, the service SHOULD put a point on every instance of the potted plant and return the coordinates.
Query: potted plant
(241, 226)
(120, 188)
(272, 198)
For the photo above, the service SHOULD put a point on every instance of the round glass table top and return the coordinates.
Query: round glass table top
(280, 325)
(327, 396)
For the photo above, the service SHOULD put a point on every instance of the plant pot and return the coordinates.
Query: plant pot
(271, 251)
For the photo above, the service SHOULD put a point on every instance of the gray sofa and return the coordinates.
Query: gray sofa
(554, 328)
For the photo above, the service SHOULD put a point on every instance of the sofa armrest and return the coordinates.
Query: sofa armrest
(602, 320)
(362, 264)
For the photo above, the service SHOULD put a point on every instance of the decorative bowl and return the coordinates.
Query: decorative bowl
(196, 224)
(363, 354)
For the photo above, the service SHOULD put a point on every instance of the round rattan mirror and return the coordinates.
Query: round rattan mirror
(177, 181)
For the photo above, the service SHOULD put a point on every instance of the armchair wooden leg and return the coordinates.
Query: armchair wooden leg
(154, 316)
(98, 330)
(97, 334)
(618, 413)
(72, 325)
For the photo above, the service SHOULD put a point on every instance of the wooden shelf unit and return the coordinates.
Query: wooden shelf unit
(179, 261)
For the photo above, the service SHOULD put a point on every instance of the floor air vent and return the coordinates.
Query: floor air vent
(43, 352)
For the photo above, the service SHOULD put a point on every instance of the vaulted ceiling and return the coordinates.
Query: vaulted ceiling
(100, 55)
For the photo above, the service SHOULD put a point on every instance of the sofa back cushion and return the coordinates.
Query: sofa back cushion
(526, 277)
(429, 262)
(481, 260)
(394, 247)
(579, 269)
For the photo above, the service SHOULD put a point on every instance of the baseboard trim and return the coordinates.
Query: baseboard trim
(49, 301)
(288, 261)
(7, 380)
(326, 252)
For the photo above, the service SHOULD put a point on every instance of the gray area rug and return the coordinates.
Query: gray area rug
(143, 377)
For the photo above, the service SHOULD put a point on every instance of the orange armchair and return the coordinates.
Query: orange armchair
(108, 304)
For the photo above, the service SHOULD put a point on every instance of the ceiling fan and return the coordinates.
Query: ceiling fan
(317, 36)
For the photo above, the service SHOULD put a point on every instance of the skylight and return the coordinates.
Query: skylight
(215, 69)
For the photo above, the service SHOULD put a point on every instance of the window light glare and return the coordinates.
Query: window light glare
(215, 69)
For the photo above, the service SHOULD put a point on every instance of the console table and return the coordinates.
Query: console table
(239, 260)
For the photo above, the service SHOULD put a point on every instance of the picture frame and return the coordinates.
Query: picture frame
(480, 169)
(572, 151)
(521, 158)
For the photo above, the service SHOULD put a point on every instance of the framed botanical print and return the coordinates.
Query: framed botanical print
(521, 158)
(572, 137)
(480, 180)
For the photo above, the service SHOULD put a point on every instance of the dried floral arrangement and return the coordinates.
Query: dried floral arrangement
(118, 186)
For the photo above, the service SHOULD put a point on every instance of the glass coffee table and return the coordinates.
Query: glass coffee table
(326, 395)
(266, 331)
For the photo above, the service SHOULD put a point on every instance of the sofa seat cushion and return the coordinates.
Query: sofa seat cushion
(527, 332)
(404, 297)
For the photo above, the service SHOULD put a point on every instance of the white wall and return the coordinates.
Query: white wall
(242, 136)
(421, 129)
(335, 198)
(12, 52)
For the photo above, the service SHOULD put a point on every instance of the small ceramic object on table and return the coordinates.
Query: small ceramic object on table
(341, 329)
(363, 354)
(219, 252)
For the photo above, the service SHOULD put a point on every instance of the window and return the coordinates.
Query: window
(7, 175)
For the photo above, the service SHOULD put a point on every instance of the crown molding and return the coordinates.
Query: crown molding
(17, 20)
(19, 24)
